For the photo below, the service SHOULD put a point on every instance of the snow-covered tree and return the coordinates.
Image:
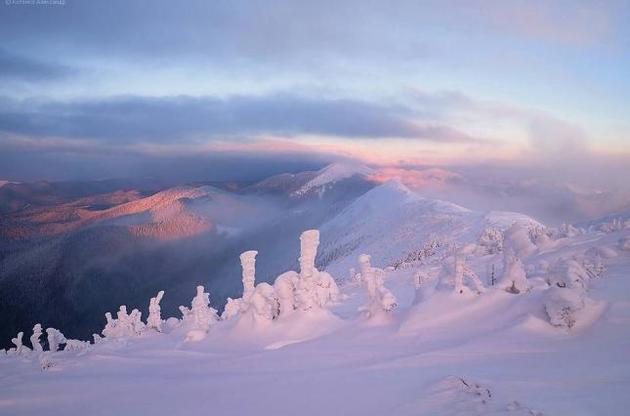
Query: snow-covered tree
(248, 266)
(420, 278)
(517, 239)
(155, 312)
(285, 287)
(490, 241)
(314, 289)
(514, 278)
(235, 307)
(305, 292)
(125, 324)
(568, 231)
(380, 299)
(76, 345)
(563, 304)
(264, 305)
(19, 346)
(37, 333)
(200, 316)
(568, 273)
(55, 338)
(455, 271)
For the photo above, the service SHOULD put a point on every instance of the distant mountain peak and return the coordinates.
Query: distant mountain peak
(333, 173)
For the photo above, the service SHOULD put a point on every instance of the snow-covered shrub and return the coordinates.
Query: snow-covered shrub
(55, 339)
(568, 231)
(568, 273)
(19, 346)
(76, 345)
(617, 224)
(434, 250)
(562, 305)
(46, 362)
(380, 299)
(454, 271)
(200, 316)
(285, 287)
(490, 241)
(37, 333)
(154, 320)
(514, 278)
(125, 324)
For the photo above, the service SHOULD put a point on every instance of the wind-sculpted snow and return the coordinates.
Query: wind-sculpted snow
(451, 344)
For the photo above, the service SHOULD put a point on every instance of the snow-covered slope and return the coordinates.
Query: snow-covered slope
(390, 221)
(331, 174)
(440, 353)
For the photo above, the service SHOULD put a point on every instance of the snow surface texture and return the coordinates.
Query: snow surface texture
(304, 346)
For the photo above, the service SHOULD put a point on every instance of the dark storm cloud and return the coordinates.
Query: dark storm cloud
(162, 120)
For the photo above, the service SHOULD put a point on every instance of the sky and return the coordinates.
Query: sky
(217, 89)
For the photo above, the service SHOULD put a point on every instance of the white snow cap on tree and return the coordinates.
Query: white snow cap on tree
(55, 338)
(155, 312)
(455, 271)
(514, 279)
(380, 299)
(37, 333)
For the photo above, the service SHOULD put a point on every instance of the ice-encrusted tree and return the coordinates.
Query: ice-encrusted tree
(19, 346)
(125, 324)
(305, 292)
(514, 278)
(285, 287)
(517, 238)
(314, 288)
(563, 305)
(55, 339)
(380, 299)
(200, 316)
(154, 319)
(235, 307)
(263, 304)
(490, 241)
(248, 266)
(455, 271)
(37, 333)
